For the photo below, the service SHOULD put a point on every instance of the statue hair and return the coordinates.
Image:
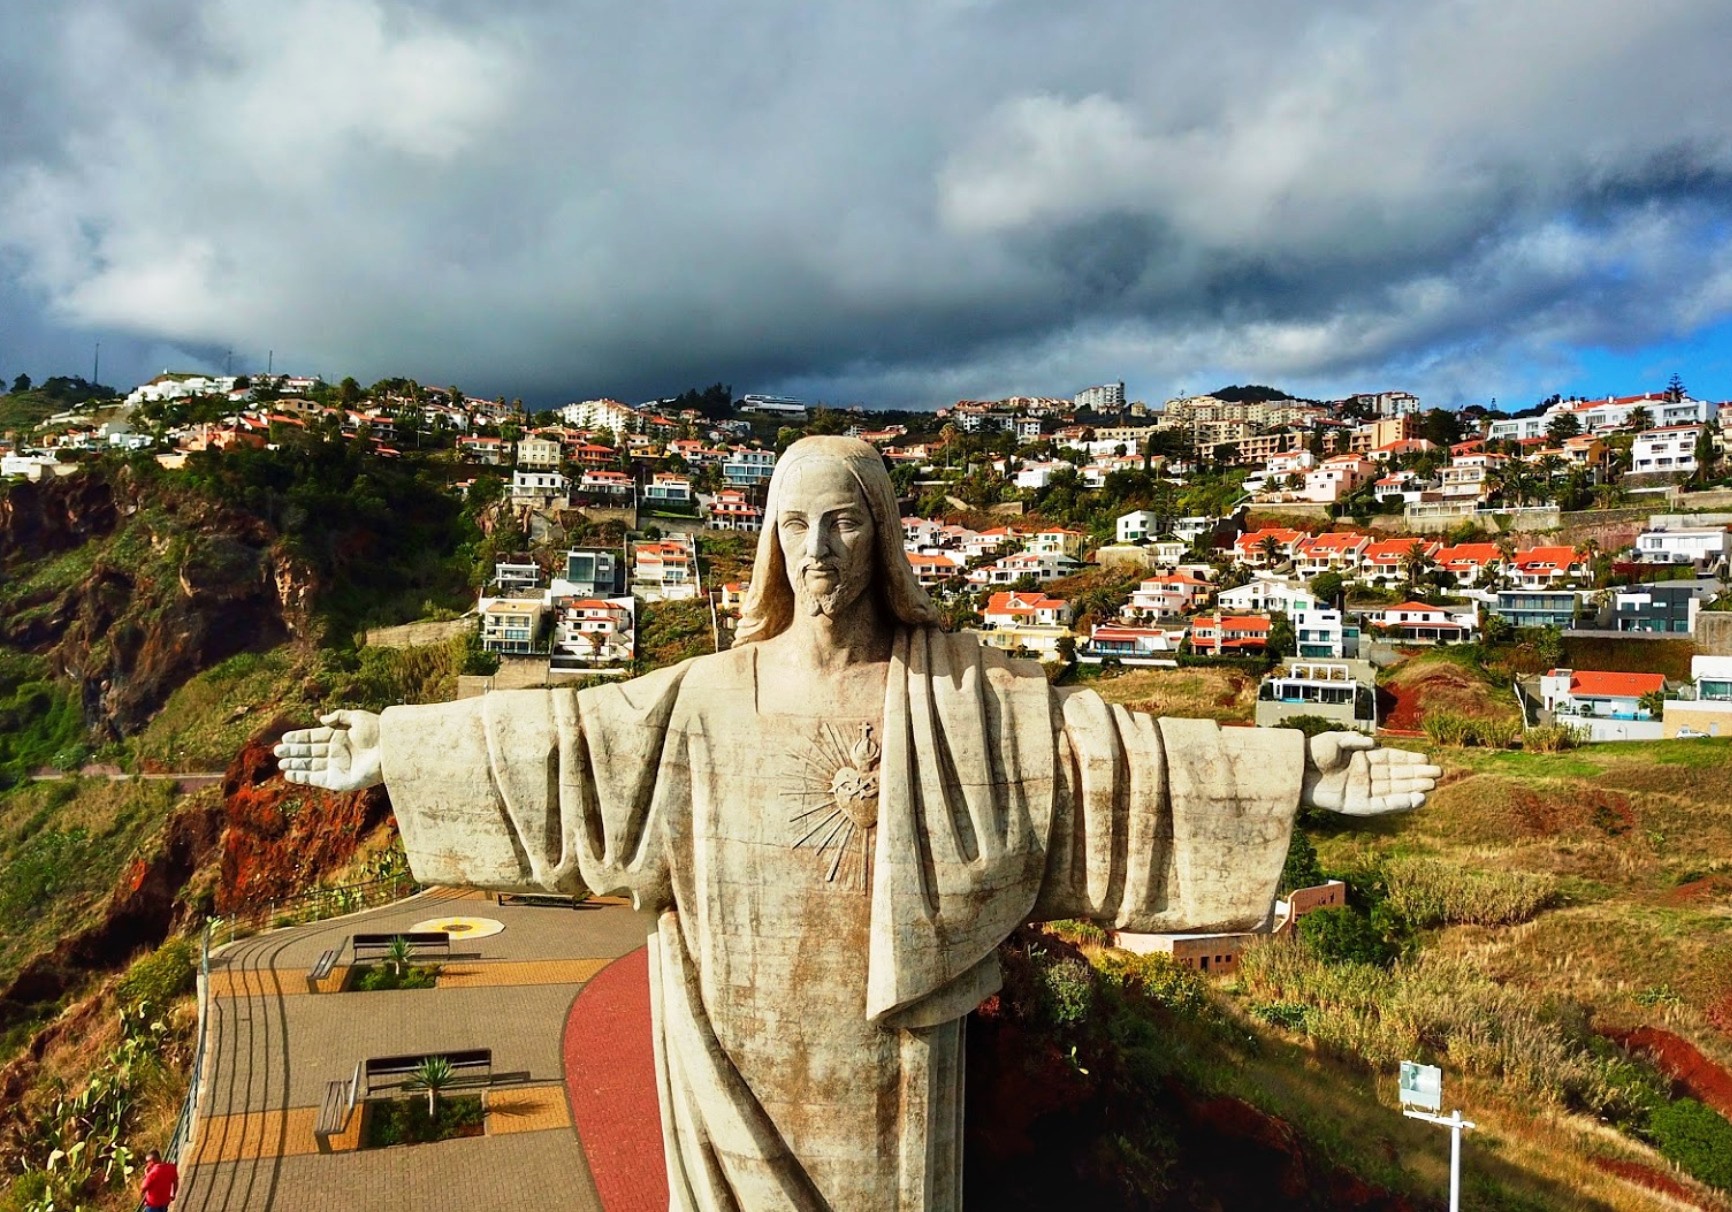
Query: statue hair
(769, 605)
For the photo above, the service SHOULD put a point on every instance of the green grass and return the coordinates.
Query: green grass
(212, 714)
(64, 846)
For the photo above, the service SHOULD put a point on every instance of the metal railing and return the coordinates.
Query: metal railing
(313, 905)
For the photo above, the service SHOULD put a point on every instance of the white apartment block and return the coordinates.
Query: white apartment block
(601, 414)
(1107, 397)
(1671, 448)
(1695, 545)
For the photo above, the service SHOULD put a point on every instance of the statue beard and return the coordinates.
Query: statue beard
(845, 588)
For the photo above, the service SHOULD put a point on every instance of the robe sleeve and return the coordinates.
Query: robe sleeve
(1167, 824)
(551, 790)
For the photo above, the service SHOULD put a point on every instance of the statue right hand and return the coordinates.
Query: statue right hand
(341, 756)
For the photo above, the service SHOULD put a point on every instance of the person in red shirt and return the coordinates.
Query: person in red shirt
(161, 1182)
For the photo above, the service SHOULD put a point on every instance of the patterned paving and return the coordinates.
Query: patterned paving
(274, 1048)
(527, 1109)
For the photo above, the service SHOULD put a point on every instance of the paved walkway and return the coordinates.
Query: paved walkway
(274, 1044)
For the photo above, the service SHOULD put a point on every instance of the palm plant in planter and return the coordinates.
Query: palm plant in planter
(399, 953)
(433, 1075)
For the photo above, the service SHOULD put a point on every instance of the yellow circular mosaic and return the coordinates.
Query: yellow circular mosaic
(460, 927)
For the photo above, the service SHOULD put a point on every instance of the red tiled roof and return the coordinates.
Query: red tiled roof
(1334, 541)
(1616, 685)
(1561, 557)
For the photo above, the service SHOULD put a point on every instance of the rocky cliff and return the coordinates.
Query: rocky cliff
(129, 587)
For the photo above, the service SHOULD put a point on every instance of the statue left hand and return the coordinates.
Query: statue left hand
(1346, 772)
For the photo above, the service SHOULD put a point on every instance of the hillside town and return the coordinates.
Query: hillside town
(1324, 540)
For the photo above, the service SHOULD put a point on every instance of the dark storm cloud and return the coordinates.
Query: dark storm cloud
(897, 203)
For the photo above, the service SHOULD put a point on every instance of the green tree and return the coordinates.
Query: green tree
(1301, 870)
(1675, 389)
(20, 385)
(348, 392)
(1564, 425)
(1328, 587)
(1283, 640)
(1345, 936)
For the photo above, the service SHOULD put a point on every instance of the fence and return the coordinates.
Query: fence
(310, 906)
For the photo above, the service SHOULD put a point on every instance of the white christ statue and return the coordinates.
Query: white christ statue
(836, 823)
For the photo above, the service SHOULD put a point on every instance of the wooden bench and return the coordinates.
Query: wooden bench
(334, 1111)
(322, 968)
(552, 900)
(473, 1067)
(378, 946)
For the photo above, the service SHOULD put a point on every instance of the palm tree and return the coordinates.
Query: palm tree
(1270, 546)
(432, 1074)
(399, 953)
(1416, 563)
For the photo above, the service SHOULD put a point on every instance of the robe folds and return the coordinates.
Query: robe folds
(814, 952)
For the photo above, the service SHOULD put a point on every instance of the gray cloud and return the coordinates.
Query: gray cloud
(899, 203)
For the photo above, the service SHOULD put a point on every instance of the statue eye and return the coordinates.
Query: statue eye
(794, 524)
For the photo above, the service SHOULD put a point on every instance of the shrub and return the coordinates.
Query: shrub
(1553, 738)
(1448, 728)
(374, 978)
(1311, 725)
(1344, 936)
(1159, 978)
(1430, 892)
(1696, 1138)
(1066, 988)
(161, 976)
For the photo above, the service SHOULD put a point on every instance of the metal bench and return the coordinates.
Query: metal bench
(551, 900)
(322, 968)
(378, 946)
(473, 1067)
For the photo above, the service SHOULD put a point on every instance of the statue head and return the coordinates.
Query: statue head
(831, 536)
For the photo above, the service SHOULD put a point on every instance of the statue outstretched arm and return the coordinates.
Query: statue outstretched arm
(1350, 773)
(1183, 825)
(516, 790)
(342, 754)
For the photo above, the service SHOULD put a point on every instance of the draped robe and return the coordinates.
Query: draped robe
(815, 954)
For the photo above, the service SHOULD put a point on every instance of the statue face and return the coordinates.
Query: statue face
(826, 533)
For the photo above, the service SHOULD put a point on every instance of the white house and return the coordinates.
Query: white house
(745, 467)
(1705, 545)
(1584, 692)
(1024, 609)
(1012, 568)
(593, 631)
(544, 487)
(1324, 634)
(729, 509)
(600, 482)
(1169, 594)
(1137, 525)
(665, 488)
(1266, 594)
(1419, 622)
(1131, 644)
(933, 568)
(1668, 449)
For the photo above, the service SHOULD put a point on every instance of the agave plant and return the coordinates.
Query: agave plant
(433, 1075)
(399, 953)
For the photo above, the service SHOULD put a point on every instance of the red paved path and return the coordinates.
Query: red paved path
(610, 1078)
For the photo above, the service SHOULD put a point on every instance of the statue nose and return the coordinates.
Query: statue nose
(817, 540)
